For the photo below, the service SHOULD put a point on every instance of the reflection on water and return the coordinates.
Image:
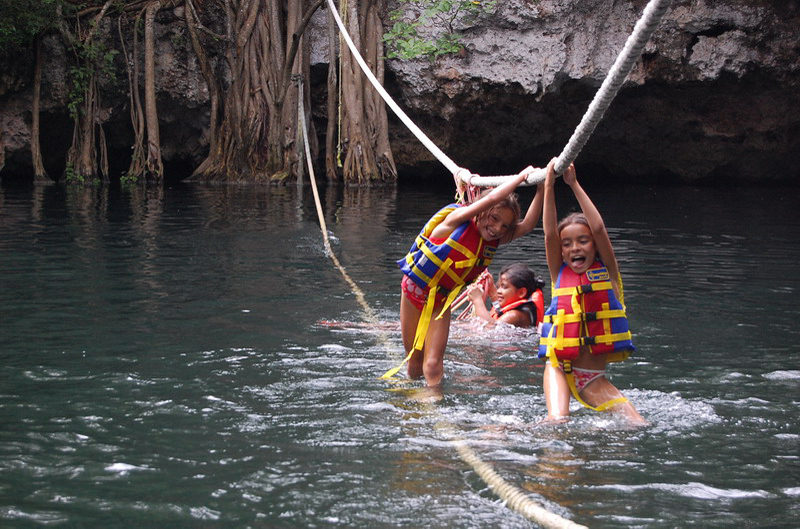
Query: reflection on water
(190, 353)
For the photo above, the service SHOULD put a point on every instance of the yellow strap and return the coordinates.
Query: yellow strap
(560, 342)
(596, 287)
(602, 407)
(393, 371)
(454, 244)
(422, 331)
(444, 267)
(600, 315)
(450, 298)
(611, 338)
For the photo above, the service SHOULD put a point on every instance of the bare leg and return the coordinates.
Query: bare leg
(556, 394)
(601, 390)
(435, 345)
(409, 319)
(429, 361)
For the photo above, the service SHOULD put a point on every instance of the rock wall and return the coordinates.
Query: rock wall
(714, 98)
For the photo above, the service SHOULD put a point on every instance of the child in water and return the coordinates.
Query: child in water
(453, 249)
(516, 298)
(585, 326)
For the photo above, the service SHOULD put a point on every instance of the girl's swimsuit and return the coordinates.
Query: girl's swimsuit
(415, 294)
(583, 377)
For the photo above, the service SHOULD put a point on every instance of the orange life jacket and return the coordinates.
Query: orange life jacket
(533, 306)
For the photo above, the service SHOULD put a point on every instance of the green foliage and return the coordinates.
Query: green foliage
(406, 39)
(74, 177)
(22, 20)
(129, 180)
(93, 58)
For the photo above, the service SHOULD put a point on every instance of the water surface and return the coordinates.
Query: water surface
(191, 354)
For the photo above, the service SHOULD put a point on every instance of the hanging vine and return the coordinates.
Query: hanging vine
(87, 154)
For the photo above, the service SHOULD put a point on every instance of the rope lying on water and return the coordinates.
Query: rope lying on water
(369, 314)
(515, 498)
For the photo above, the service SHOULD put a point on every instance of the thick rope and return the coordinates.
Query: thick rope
(514, 497)
(642, 32)
(630, 53)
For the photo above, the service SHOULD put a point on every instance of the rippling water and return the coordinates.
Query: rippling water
(176, 356)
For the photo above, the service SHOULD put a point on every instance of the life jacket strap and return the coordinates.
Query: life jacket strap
(566, 366)
(587, 316)
(583, 289)
(574, 390)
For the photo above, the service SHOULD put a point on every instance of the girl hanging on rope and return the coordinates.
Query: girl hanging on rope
(585, 326)
(516, 297)
(454, 247)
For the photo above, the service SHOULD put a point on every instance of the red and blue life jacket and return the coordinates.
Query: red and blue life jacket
(447, 264)
(444, 266)
(585, 311)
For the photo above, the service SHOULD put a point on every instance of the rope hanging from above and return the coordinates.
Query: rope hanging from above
(642, 32)
(647, 24)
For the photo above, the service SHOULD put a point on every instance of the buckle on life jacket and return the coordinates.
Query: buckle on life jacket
(589, 316)
(567, 366)
(588, 340)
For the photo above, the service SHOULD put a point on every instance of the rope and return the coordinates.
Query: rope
(636, 42)
(644, 28)
(436, 151)
(362, 300)
(515, 498)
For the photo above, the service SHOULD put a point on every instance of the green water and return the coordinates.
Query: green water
(168, 360)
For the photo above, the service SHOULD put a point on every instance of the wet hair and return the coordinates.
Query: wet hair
(511, 202)
(521, 276)
(573, 218)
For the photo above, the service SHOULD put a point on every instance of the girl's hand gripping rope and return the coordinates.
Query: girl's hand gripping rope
(465, 190)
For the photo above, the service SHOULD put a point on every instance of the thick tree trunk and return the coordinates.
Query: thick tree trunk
(192, 20)
(39, 173)
(364, 122)
(332, 130)
(137, 166)
(155, 167)
(82, 157)
(257, 134)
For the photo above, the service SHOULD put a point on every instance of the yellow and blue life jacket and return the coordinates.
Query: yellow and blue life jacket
(445, 266)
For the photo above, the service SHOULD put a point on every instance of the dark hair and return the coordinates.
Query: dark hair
(521, 276)
(510, 201)
(572, 218)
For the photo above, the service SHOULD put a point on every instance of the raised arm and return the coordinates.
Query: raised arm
(602, 242)
(463, 214)
(527, 224)
(552, 240)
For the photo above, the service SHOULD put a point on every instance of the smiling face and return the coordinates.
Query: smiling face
(495, 223)
(508, 293)
(577, 247)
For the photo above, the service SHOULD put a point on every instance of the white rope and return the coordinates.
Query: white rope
(369, 314)
(514, 497)
(636, 42)
(642, 32)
